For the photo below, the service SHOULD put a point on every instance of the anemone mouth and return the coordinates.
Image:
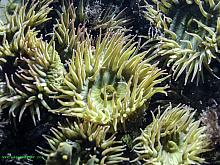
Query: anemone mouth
(171, 142)
(106, 88)
(107, 92)
(81, 149)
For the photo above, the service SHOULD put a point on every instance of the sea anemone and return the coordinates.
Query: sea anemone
(191, 37)
(109, 83)
(83, 143)
(32, 69)
(172, 138)
(25, 15)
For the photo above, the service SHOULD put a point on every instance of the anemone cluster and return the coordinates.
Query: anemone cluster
(98, 84)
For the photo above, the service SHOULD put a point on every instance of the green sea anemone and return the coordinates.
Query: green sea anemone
(172, 138)
(83, 143)
(32, 69)
(28, 14)
(110, 82)
(191, 37)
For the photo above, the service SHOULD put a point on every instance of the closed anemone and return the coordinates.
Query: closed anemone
(31, 71)
(109, 82)
(83, 143)
(173, 137)
(190, 40)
